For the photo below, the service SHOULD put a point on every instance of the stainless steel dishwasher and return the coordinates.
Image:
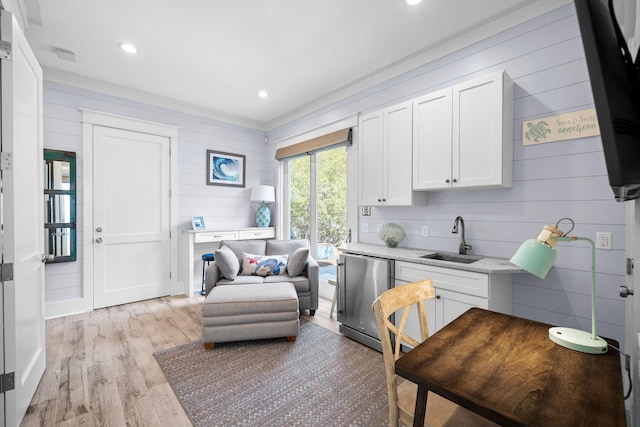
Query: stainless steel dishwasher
(360, 280)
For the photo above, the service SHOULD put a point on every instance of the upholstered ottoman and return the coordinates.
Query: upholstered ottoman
(250, 311)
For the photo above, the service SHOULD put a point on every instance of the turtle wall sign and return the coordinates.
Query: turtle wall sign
(578, 124)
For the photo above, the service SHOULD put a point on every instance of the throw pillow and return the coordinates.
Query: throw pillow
(297, 262)
(264, 265)
(227, 263)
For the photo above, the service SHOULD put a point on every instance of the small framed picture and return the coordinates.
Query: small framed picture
(225, 169)
(197, 222)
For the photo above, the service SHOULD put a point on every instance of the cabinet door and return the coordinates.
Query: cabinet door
(397, 187)
(478, 132)
(371, 156)
(432, 139)
(450, 305)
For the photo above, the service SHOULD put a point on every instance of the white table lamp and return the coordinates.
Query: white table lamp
(263, 194)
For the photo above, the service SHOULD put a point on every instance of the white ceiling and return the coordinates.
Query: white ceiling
(212, 56)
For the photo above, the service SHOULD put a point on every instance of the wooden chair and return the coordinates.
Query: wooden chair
(402, 396)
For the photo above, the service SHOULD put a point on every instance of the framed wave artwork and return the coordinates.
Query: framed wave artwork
(225, 169)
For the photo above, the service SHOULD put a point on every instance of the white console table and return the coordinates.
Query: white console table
(205, 238)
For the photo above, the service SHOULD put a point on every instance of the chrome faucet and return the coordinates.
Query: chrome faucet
(463, 245)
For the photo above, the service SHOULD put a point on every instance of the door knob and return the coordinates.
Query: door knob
(625, 292)
(99, 240)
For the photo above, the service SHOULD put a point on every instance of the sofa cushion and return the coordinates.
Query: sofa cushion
(227, 263)
(264, 265)
(243, 280)
(297, 262)
(284, 246)
(257, 247)
(301, 283)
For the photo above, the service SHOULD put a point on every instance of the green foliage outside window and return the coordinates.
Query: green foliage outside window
(331, 196)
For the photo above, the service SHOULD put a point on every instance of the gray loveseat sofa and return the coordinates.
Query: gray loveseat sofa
(239, 262)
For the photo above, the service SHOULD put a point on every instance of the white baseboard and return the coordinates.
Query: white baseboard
(66, 308)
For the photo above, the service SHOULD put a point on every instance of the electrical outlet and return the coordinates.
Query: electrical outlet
(364, 227)
(603, 240)
(379, 228)
(425, 231)
(366, 210)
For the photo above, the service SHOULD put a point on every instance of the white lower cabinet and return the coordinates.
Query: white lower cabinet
(456, 292)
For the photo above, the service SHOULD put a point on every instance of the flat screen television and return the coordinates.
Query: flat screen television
(615, 82)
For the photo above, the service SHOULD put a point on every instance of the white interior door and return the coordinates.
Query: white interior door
(131, 216)
(22, 239)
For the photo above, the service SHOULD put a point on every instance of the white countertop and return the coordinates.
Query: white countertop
(487, 265)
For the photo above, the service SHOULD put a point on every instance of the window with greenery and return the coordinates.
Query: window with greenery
(329, 197)
(60, 205)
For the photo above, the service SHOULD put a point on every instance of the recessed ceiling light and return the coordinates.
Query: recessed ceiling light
(128, 47)
(263, 93)
(412, 2)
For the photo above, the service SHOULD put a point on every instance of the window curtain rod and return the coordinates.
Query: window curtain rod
(341, 136)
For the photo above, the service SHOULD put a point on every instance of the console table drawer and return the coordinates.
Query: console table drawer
(267, 233)
(215, 236)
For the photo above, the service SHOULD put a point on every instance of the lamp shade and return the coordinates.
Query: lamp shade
(535, 257)
(263, 194)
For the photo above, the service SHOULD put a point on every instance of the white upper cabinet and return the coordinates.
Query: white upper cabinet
(371, 158)
(463, 135)
(385, 158)
(432, 132)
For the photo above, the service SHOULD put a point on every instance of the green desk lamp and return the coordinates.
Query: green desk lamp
(537, 257)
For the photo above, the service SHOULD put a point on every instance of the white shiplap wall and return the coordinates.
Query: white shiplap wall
(545, 59)
(224, 207)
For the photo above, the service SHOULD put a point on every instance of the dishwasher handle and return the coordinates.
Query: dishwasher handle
(341, 291)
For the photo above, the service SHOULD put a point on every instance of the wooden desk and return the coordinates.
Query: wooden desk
(506, 369)
(207, 238)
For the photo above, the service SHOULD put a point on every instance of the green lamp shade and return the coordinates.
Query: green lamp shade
(535, 257)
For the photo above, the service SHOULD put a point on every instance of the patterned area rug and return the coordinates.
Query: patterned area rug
(323, 379)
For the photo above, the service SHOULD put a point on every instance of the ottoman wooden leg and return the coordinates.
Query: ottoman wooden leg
(210, 345)
(291, 338)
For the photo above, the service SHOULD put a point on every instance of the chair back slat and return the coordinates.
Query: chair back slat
(403, 298)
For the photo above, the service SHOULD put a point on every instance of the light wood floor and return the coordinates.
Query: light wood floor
(101, 370)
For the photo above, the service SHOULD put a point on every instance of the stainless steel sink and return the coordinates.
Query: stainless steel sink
(462, 259)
